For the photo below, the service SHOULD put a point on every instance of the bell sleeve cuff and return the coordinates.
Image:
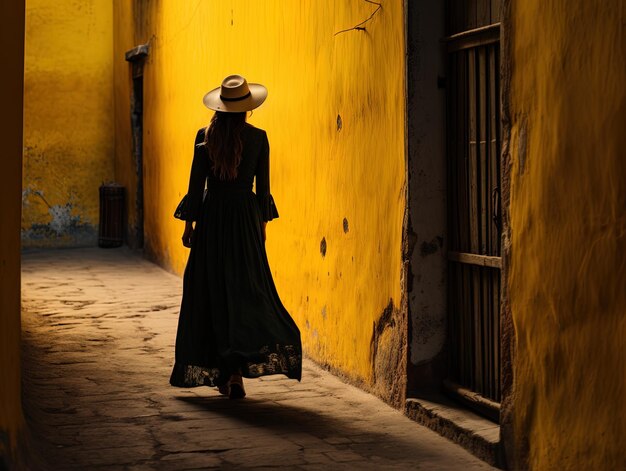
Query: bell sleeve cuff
(183, 211)
(268, 208)
(189, 208)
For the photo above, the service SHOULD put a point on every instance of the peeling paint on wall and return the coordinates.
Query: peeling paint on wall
(388, 354)
(64, 226)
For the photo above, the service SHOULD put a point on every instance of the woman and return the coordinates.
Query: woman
(232, 322)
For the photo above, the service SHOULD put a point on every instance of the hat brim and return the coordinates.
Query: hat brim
(258, 94)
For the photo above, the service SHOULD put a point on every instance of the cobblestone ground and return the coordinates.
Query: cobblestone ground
(98, 331)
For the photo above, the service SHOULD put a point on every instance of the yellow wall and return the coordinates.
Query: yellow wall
(68, 119)
(568, 219)
(12, 58)
(319, 175)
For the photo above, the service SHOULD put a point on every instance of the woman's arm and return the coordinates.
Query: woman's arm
(197, 178)
(263, 176)
(264, 198)
(197, 182)
(188, 234)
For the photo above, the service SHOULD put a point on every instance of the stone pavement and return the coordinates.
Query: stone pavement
(98, 334)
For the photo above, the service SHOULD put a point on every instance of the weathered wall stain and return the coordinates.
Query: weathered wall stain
(388, 354)
(65, 225)
(385, 320)
(431, 247)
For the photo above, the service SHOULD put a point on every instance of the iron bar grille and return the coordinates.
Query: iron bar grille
(473, 147)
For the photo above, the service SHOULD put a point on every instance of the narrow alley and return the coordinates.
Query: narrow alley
(98, 333)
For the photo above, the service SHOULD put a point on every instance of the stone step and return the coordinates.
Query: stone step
(450, 419)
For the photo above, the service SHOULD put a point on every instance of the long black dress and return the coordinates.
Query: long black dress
(231, 317)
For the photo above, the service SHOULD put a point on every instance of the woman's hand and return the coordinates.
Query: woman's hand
(188, 234)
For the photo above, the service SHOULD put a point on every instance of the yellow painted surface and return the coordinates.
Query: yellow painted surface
(319, 174)
(68, 119)
(568, 217)
(11, 56)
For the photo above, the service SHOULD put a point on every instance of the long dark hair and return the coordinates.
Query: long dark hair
(222, 139)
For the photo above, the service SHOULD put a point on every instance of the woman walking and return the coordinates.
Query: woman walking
(232, 323)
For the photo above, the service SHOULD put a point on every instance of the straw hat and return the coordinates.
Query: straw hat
(235, 95)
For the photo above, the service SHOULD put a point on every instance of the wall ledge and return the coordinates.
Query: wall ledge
(478, 435)
(137, 53)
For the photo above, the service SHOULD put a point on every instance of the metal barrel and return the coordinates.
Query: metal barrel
(111, 228)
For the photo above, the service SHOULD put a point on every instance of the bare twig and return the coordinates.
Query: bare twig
(40, 194)
(360, 26)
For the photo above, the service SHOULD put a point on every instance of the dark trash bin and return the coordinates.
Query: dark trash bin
(111, 230)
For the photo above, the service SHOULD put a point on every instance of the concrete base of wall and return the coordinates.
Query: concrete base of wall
(43, 236)
(479, 436)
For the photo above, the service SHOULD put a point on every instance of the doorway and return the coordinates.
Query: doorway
(135, 228)
(137, 133)
(473, 137)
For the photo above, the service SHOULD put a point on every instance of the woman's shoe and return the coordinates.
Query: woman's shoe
(224, 389)
(236, 388)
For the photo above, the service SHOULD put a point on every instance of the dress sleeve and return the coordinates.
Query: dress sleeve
(197, 180)
(264, 198)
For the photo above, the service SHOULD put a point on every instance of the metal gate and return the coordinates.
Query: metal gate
(473, 148)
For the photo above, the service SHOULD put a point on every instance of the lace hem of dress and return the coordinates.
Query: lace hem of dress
(282, 359)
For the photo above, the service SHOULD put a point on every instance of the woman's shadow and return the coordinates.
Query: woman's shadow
(277, 416)
(355, 432)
